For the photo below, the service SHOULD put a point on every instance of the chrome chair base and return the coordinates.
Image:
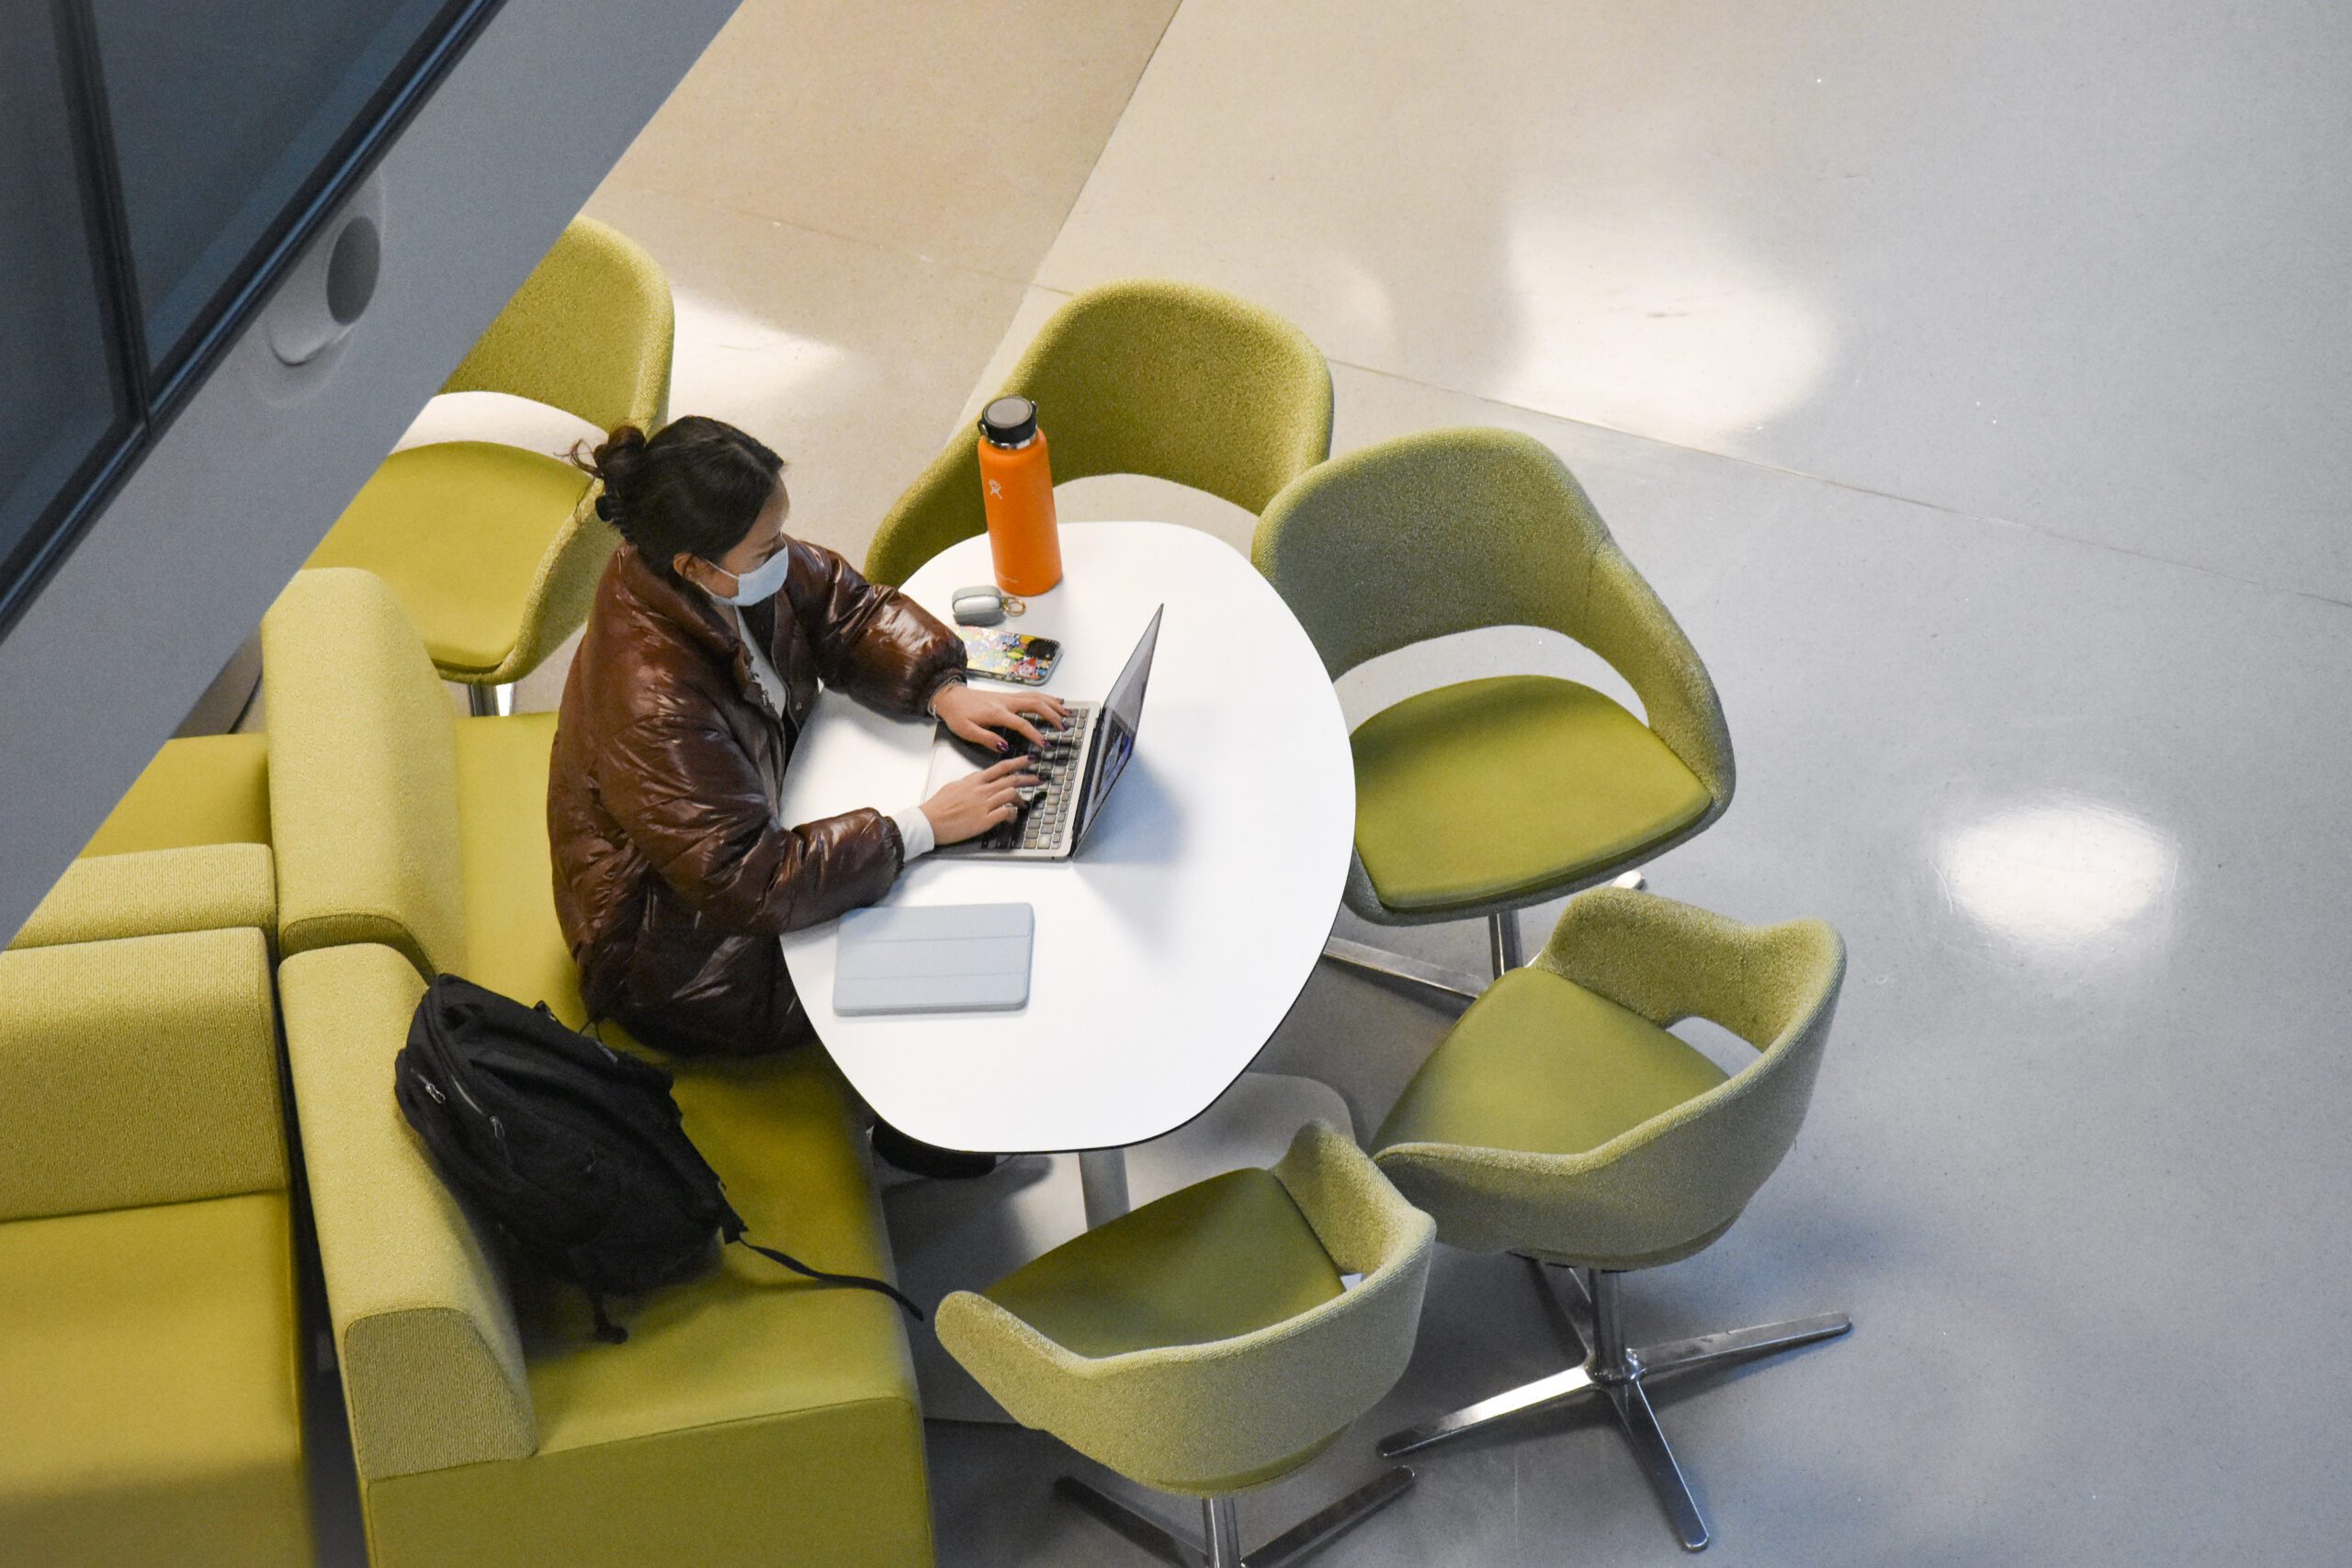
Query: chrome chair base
(1221, 1525)
(1618, 1373)
(1458, 984)
(1504, 951)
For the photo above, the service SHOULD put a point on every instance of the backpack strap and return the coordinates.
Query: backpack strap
(860, 1280)
(608, 1331)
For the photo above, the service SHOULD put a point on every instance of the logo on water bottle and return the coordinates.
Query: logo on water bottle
(996, 489)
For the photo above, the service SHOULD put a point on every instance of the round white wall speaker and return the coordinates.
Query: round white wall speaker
(323, 297)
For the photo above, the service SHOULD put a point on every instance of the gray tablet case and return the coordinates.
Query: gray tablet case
(939, 958)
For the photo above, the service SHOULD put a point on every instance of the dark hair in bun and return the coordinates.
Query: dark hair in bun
(697, 485)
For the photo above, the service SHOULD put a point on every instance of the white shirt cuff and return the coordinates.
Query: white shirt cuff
(915, 831)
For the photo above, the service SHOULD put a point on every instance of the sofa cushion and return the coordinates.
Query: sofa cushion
(138, 1071)
(748, 1340)
(152, 1412)
(514, 945)
(150, 892)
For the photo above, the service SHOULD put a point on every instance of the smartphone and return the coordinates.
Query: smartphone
(997, 654)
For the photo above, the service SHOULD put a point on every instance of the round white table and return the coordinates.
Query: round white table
(1174, 943)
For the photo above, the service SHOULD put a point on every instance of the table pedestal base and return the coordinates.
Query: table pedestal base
(963, 1236)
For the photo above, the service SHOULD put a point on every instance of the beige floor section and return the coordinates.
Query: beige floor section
(849, 200)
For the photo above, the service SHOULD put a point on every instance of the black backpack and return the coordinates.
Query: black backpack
(575, 1148)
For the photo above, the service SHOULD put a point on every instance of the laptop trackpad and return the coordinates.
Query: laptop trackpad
(949, 762)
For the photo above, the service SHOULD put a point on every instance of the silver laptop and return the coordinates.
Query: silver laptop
(1081, 764)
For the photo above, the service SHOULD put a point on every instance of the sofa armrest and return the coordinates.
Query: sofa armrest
(138, 1071)
(433, 1371)
(151, 892)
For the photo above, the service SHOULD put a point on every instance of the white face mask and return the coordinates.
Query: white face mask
(758, 585)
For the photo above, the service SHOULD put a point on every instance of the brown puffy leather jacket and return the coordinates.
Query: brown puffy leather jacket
(672, 879)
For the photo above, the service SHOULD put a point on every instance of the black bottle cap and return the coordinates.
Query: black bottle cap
(1009, 422)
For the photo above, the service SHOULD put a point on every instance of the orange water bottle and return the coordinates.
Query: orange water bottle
(1017, 489)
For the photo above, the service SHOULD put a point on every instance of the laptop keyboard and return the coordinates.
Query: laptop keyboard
(1041, 822)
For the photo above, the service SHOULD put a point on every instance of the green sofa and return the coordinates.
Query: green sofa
(751, 1417)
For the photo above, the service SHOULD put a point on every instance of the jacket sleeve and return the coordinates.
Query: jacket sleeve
(873, 642)
(687, 796)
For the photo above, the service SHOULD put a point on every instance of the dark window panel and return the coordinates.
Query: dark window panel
(222, 115)
(61, 407)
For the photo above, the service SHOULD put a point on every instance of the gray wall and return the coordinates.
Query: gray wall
(227, 505)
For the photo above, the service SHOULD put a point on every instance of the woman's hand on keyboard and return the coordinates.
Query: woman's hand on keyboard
(978, 716)
(977, 802)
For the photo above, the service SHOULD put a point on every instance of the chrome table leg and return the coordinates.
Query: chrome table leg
(1102, 1185)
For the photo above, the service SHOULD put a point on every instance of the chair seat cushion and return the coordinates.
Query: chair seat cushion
(1540, 1065)
(458, 529)
(1223, 1257)
(149, 1359)
(201, 789)
(1501, 788)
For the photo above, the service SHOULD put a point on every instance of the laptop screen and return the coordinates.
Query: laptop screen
(1122, 714)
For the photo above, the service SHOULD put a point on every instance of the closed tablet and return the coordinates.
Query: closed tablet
(934, 958)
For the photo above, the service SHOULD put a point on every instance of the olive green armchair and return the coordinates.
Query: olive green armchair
(1207, 1343)
(1559, 1120)
(1144, 376)
(1482, 797)
(493, 550)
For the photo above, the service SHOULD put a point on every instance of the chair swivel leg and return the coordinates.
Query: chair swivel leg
(1220, 1524)
(1458, 984)
(1617, 1372)
(490, 702)
(1502, 945)
(1502, 941)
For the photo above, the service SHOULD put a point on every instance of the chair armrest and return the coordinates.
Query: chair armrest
(1182, 1416)
(433, 1370)
(1627, 624)
(1363, 1221)
(154, 892)
(139, 1071)
(1670, 961)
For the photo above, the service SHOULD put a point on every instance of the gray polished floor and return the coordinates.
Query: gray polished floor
(1967, 378)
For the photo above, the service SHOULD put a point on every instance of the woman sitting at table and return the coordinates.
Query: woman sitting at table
(710, 631)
